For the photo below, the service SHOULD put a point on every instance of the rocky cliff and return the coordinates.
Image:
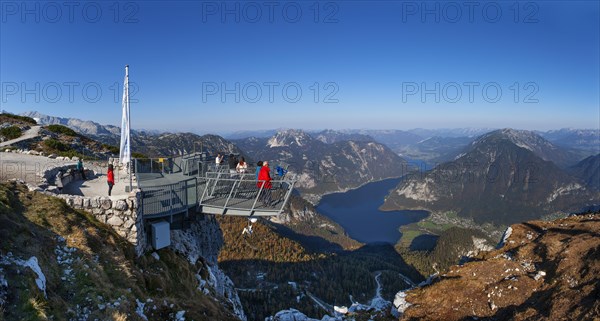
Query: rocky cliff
(542, 271)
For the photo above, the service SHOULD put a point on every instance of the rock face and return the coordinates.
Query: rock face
(588, 170)
(544, 271)
(499, 179)
(535, 143)
(203, 240)
(323, 167)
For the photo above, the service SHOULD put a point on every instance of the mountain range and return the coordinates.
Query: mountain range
(326, 167)
(518, 172)
(503, 177)
(149, 143)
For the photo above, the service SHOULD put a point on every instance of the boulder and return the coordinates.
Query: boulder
(105, 203)
(120, 205)
(78, 202)
(128, 224)
(99, 215)
(115, 220)
(95, 202)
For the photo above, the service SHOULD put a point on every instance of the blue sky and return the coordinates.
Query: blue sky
(358, 64)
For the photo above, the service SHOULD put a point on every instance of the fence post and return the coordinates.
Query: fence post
(141, 202)
(256, 199)
(186, 199)
(171, 199)
(287, 194)
(229, 197)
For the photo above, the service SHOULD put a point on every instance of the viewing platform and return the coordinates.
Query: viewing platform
(177, 185)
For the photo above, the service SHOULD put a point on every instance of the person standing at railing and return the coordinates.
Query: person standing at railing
(264, 182)
(258, 166)
(232, 164)
(110, 178)
(242, 166)
(218, 160)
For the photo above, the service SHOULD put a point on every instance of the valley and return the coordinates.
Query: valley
(365, 223)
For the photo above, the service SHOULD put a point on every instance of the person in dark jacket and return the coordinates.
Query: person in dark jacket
(80, 169)
(232, 164)
(110, 178)
(258, 166)
(264, 182)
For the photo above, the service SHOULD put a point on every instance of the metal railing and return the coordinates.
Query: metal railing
(215, 189)
(243, 192)
(165, 200)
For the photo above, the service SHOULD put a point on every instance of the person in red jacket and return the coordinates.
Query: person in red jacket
(110, 178)
(264, 181)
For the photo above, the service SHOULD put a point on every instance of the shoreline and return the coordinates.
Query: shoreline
(312, 197)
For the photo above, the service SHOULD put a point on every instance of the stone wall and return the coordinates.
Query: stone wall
(121, 214)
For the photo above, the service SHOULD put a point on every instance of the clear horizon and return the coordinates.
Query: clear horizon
(312, 130)
(222, 67)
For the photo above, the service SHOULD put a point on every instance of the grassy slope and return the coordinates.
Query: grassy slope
(329, 276)
(106, 278)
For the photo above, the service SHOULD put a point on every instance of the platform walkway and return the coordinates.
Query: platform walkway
(172, 186)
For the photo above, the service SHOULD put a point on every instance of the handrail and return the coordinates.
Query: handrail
(282, 191)
(220, 191)
(160, 200)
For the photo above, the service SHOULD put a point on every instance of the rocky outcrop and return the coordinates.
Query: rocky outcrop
(543, 271)
(203, 240)
(325, 168)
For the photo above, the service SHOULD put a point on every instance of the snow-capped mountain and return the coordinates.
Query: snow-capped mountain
(326, 167)
(290, 137)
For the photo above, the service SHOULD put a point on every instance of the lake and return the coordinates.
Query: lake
(357, 211)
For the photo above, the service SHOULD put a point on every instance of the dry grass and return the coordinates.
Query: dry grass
(104, 267)
(118, 316)
(40, 307)
(566, 250)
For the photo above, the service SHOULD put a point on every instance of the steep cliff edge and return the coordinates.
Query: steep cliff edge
(57, 263)
(543, 271)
